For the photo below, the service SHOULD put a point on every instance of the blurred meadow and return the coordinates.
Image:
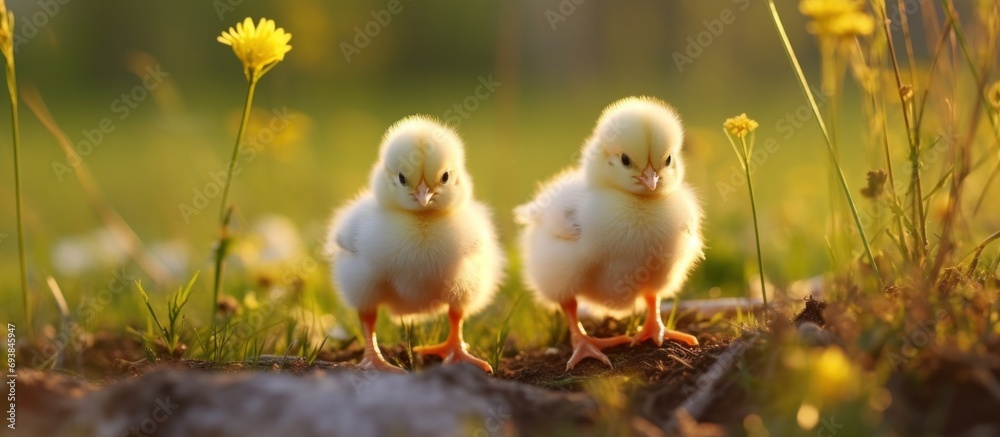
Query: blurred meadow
(523, 82)
(552, 85)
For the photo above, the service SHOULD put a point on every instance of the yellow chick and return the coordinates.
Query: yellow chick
(416, 241)
(619, 227)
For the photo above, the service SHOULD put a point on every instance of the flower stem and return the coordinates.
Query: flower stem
(756, 228)
(236, 150)
(917, 213)
(225, 211)
(15, 132)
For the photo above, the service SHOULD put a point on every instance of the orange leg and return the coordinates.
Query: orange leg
(454, 349)
(654, 329)
(373, 356)
(585, 346)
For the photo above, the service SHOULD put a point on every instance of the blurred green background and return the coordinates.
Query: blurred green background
(558, 64)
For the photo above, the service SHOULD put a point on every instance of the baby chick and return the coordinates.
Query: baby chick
(416, 241)
(621, 226)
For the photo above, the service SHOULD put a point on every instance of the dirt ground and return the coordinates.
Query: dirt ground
(648, 383)
(640, 395)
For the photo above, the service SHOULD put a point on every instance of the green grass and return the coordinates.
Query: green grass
(156, 159)
(170, 332)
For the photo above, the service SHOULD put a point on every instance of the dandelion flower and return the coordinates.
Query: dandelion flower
(824, 9)
(993, 95)
(837, 18)
(259, 47)
(6, 32)
(852, 24)
(740, 125)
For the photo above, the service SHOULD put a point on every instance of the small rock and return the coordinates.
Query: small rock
(442, 401)
(814, 335)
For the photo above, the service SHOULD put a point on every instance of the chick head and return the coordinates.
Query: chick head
(636, 147)
(421, 167)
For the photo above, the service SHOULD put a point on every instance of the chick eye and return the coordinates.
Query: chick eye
(625, 160)
(402, 179)
(444, 178)
(668, 161)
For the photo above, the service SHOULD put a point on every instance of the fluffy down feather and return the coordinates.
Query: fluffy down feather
(417, 259)
(598, 232)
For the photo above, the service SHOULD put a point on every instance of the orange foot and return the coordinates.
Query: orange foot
(376, 362)
(373, 356)
(657, 332)
(454, 349)
(654, 329)
(454, 352)
(585, 346)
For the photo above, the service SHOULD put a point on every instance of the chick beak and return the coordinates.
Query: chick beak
(649, 177)
(423, 194)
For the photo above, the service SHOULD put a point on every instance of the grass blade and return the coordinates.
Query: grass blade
(804, 84)
(502, 334)
(145, 299)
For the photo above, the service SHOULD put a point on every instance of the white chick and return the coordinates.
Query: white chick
(620, 226)
(416, 241)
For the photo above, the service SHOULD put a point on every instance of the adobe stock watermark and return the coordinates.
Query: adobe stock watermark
(910, 7)
(870, 213)
(159, 414)
(11, 371)
(703, 382)
(627, 288)
(916, 340)
(530, 212)
(202, 196)
(562, 12)
(706, 379)
(244, 328)
(714, 28)
(461, 111)
(493, 422)
(122, 106)
(365, 33)
(223, 7)
(363, 378)
(28, 25)
(455, 116)
(787, 125)
(86, 312)
(828, 427)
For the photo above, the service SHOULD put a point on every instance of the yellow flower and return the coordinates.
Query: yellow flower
(824, 9)
(6, 33)
(852, 24)
(740, 125)
(259, 47)
(837, 18)
(834, 377)
(250, 301)
(993, 95)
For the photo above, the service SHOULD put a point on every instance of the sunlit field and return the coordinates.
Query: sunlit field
(874, 162)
